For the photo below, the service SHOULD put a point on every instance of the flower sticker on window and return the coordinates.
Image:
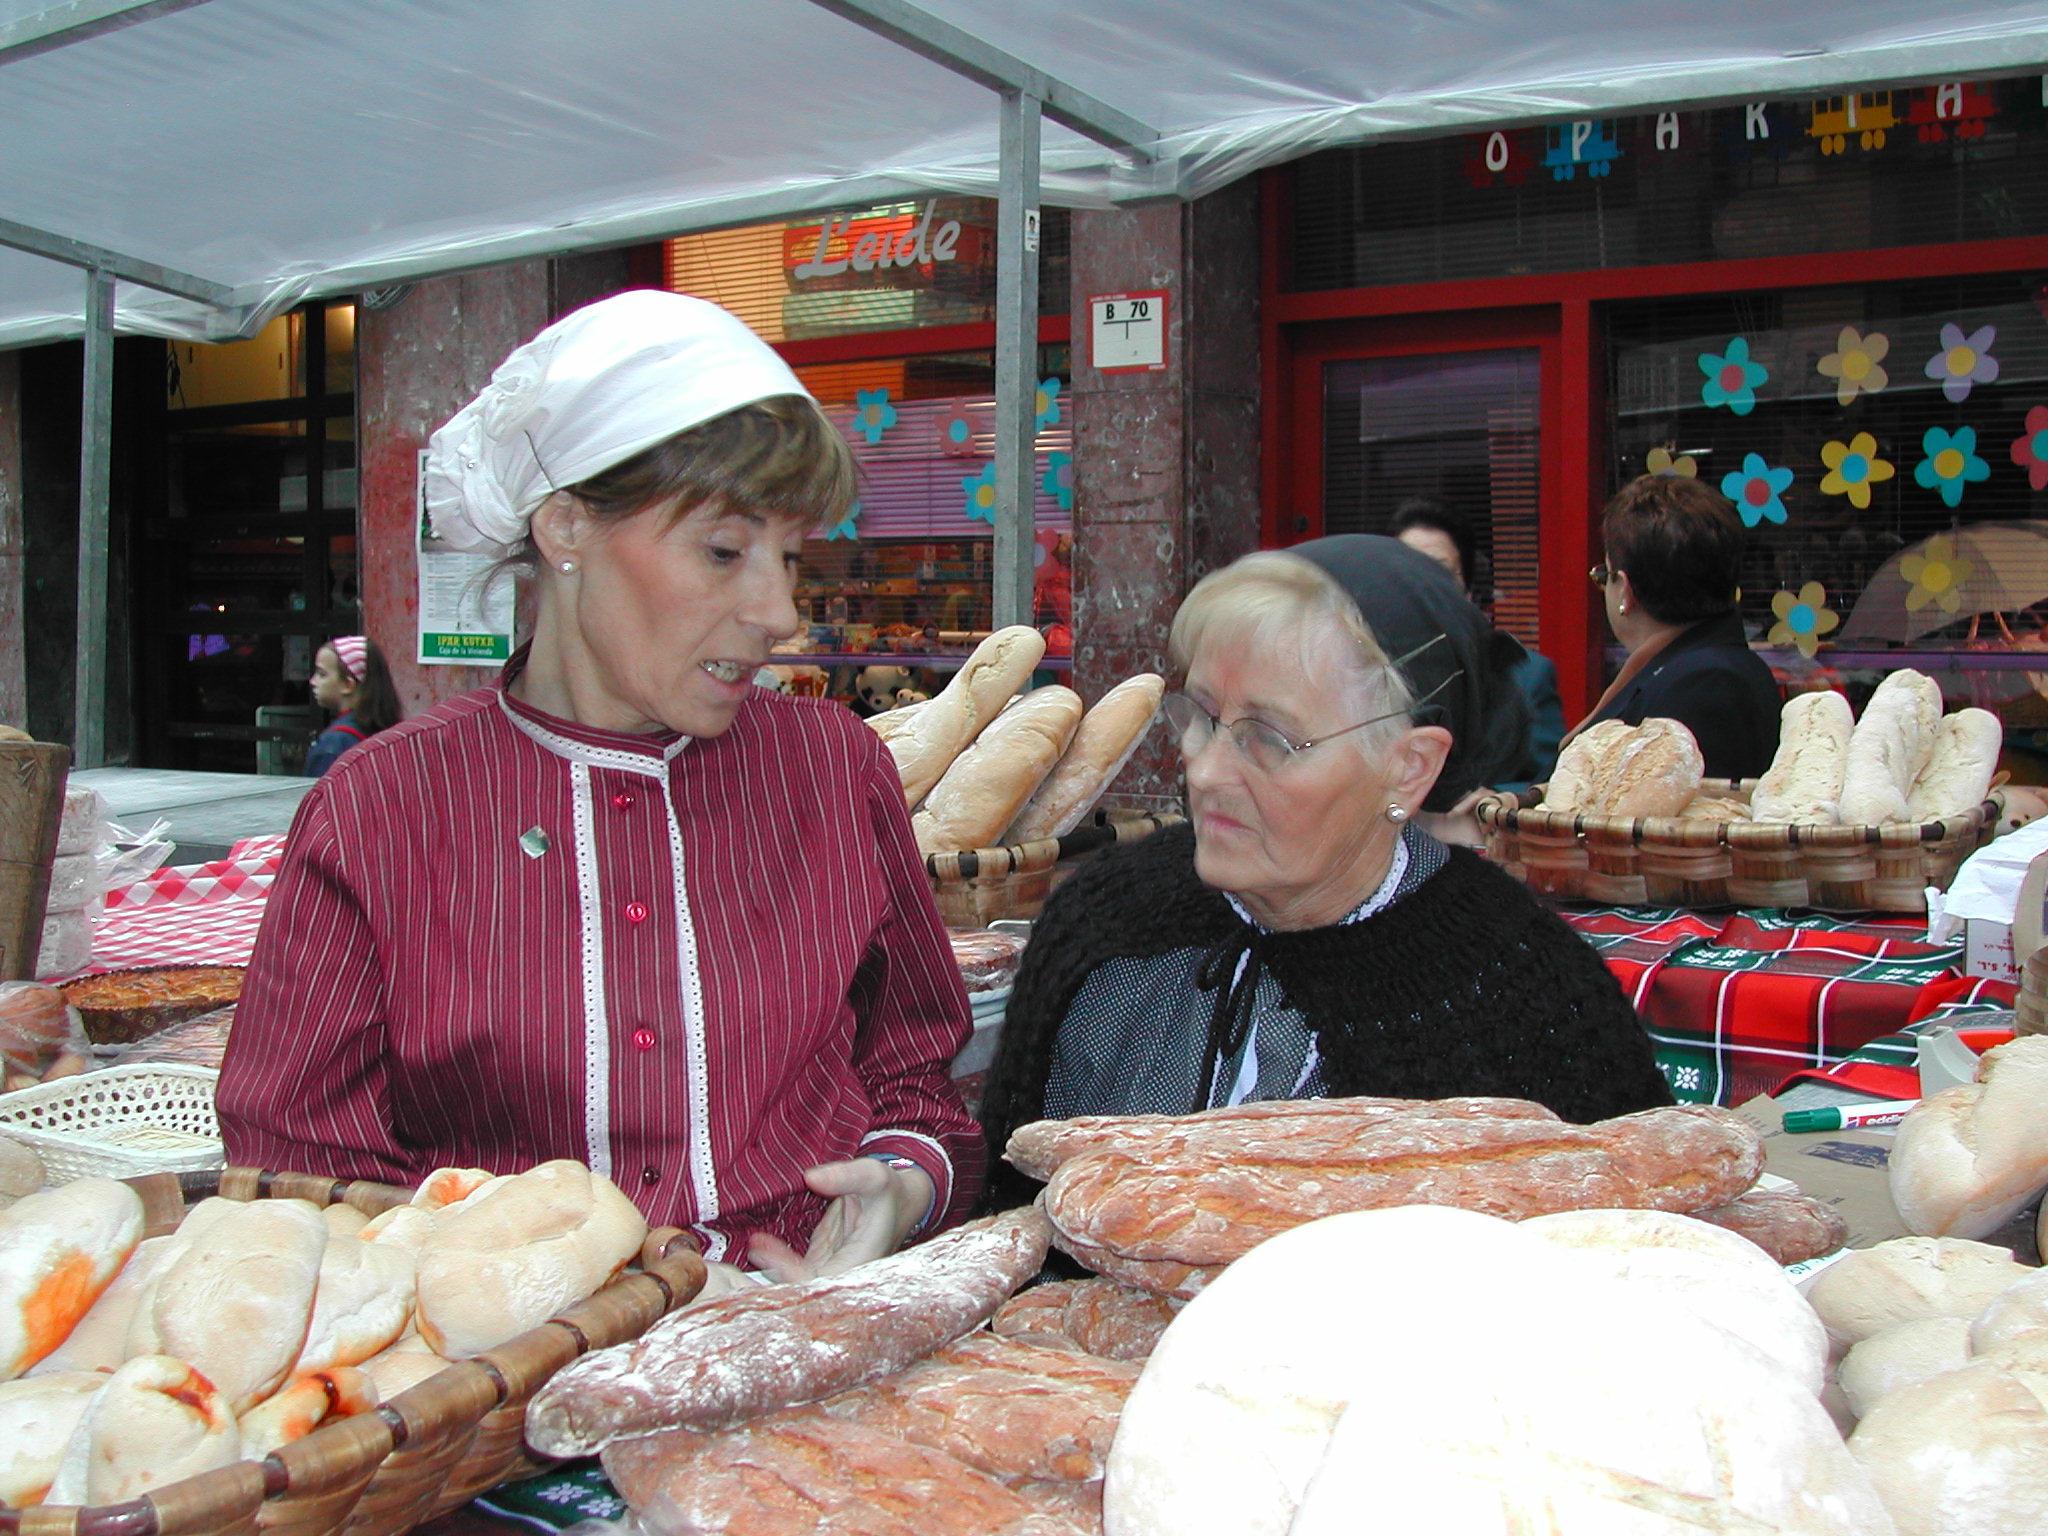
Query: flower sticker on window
(1058, 479)
(1856, 364)
(1963, 360)
(2031, 451)
(1937, 574)
(1853, 468)
(1046, 403)
(1732, 377)
(1803, 617)
(956, 432)
(1658, 461)
(1757, 489)
(981, 494)
(847, 527)
(872, 414)
(1951, 460)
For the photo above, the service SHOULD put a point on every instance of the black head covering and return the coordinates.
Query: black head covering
(1407, 600)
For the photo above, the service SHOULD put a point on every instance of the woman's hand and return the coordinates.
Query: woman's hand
(873, 1207)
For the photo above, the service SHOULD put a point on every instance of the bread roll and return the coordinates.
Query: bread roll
(236, 1306)
(405, 1364)
(517, 1252)
(1803, 785)
(1653, 771)
(1576, 779)
(344, 1220)
(449, 1186)
(1968, 1159)
(1890, 745)
(1900, 1356)
(363, 1301)
(1962, 1454)
(99, 1341)
(1959, 770)
(142, 1334)
(37, 1419)
(156, 1420)
(989, 782)
(1908, 1279)
(58, 1251)
(945, 725)
(1109, 733)
(303, 1406)
(2018, 1311)
(405, 1227)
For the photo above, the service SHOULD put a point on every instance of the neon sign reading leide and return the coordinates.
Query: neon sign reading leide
(870, 244)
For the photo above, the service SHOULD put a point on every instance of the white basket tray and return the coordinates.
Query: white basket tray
(120, 1122)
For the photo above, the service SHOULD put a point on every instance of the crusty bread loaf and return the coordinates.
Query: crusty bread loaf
(1117, 1322)
(236, 1306)
(1962, 1454)
(1883, 1363)
(781, 1346)
(1959, 770)
(1655, 770)
(944, 726)
(1714, 808)
(1575, 782)
(156, 1421)
(1787, 1225)
(37, 1419)
(517, 1251)
(1907, 1279)
(1216, 1201)
(981, 793)
(2018, 1311)
(1969, 1158)
(1892, 742)
(58, 1251)
(303, 1405)
(1109, 733)
(1804, 782)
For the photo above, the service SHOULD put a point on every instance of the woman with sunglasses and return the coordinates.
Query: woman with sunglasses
(1304, 935)
(1670, 581)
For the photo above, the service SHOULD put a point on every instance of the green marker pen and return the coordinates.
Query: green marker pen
(1848, 1117)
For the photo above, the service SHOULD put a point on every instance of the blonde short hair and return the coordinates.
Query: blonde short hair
(1272, 592)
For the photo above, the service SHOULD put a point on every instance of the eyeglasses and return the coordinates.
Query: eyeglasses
(1260, 744)
(1600, 575)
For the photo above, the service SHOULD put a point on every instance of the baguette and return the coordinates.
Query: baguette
(1804, 782)
(944, 726)
(1968, 1159)
(1117, 1322)
(989, 782)
(1959, 770)
(58, 1251)
(1889, 747)
(781, 1346)
(1109, 733)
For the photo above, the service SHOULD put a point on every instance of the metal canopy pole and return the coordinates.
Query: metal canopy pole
(95, 460)
(1016, 355)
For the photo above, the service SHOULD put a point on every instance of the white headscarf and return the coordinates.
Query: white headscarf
(593, 389)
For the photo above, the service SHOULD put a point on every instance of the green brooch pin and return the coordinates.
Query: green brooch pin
(533, 842)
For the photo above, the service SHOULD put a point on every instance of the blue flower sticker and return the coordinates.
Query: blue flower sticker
(1058, 479)
(1047, 405)
(981, 494)
(1951, 462)
(1732, 378)
(846, 528)
(873, 414)
(1757, 489)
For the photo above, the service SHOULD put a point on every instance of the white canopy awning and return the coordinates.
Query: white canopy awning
(279, 149)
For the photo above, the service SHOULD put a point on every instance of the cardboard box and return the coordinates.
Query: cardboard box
(1988, 948)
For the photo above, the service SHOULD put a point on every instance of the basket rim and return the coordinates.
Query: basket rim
(1041, 853)
(1505, 813)
(39, 1093)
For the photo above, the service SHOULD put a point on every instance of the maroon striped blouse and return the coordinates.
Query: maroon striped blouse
(702, 966)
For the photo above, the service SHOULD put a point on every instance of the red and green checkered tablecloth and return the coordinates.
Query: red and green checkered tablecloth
(1736, 1003)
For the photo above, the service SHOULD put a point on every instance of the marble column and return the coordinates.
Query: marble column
(13, 637)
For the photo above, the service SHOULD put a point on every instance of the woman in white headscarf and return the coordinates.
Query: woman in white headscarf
(621, 905)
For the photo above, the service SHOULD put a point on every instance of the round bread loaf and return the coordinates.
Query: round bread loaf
(1653, 771)
(1803, 785)
(1900, 1356)
(1575, 782)
(1907, 1279)
(1962, 1454)
(2019, 1311)
(1968, 1159)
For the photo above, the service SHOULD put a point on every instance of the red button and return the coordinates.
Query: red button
(650, 1175)
(636, 911)
(623, 801)
(643, 1039)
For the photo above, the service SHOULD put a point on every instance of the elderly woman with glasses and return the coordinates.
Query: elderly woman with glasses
(1304, 935)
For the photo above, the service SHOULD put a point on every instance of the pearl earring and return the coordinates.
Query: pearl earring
(567, 566)
(1397, 814)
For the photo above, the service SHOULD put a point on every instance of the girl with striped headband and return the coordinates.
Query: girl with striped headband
(350, 678)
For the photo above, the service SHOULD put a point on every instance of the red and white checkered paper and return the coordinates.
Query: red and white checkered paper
(189, 914)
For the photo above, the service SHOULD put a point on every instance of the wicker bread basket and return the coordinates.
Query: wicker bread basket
(1672, 862)
(119, 1122)
(977, 886)
(429, 1449)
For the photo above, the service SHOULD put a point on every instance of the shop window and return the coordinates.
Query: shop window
(1939, 162)
(1888, 446)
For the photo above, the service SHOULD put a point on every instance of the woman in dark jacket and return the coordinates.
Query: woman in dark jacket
(1674, 558)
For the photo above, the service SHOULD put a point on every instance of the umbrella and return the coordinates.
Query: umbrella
(1995, 568)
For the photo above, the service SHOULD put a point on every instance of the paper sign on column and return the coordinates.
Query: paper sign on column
(1127, 331)
(465, 617)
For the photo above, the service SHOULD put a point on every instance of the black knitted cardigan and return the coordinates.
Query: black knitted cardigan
(1467, 985)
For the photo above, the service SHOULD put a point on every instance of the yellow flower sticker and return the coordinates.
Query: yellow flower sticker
(1937, 574)
(1803, 617)
(1658, 461)
(1856, 364)
(1853, 468)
